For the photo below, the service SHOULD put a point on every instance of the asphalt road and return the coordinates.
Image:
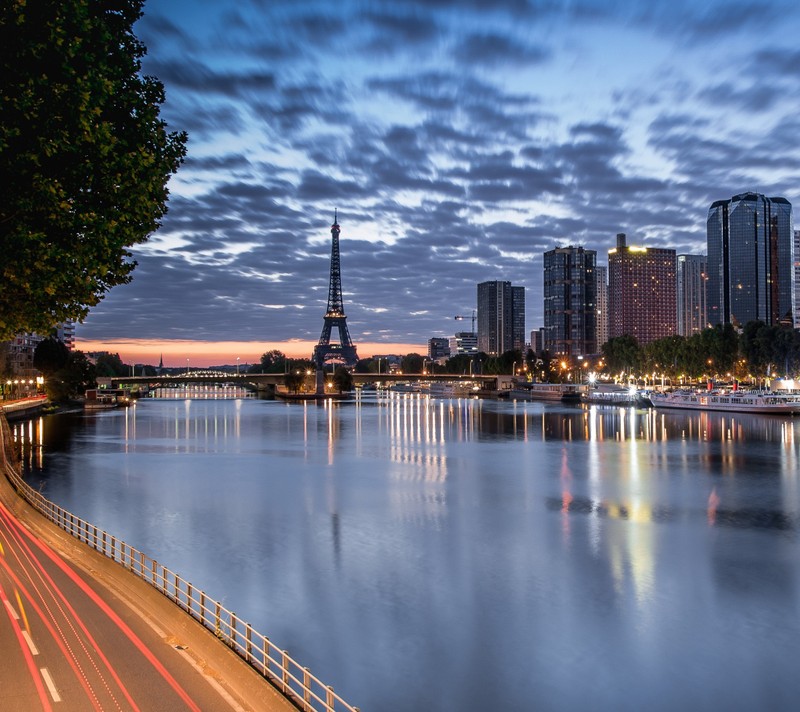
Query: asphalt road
(78, 632)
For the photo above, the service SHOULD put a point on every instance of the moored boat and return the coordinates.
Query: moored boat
(616, 395)
(739, 401)
(564, 392)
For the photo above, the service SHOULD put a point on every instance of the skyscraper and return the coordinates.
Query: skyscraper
(570, 309)
(797, 278)
(751, 271)
(601, 299)
(641, 292)
(691, 294)
(501, 317)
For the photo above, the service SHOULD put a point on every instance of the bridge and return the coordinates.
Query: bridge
(266, 380)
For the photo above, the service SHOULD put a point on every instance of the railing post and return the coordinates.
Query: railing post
(104, 541)
(142, 567)
(94, 534)
(217, 606)
(329, 698)
(175, 584)
(306, 689)
(153, 568)
(113, 548)
(233, 629)
(248, 641)
(284, 670)
(188, 598)
(267, 672)
(203, 607)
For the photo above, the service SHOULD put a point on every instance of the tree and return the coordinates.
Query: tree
(412, 363)
(460, 363)
(50, 356)
(110, 365)
(84, 157)
(273, 362)
(622, 353)
(293, 380)
(72, 380)
(342, 379)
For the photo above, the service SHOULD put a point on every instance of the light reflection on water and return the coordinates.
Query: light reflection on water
(467, 554)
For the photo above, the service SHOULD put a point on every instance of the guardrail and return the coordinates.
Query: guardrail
(303, 689)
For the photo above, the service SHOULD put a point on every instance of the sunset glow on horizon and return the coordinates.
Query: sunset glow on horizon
(202, 354)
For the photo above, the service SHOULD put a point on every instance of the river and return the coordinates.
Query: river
(467, 555)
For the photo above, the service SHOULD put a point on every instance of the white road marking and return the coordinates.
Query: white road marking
(11, 609)
(29, 641)
(50, 686)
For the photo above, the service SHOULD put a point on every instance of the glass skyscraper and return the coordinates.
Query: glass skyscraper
(750, 260)
(501, 317)
(692, 278)
(570, 305)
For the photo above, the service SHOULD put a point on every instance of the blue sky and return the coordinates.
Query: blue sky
(458, 140)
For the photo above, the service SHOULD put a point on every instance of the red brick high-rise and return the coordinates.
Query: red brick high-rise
(642, 292)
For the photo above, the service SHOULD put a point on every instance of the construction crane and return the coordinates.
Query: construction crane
(461, 318)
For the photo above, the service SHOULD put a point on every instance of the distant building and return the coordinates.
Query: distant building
(570, 309)
(537, 340)
(692, 275)
(501, 317)
(641, 292)
(438, 348)
(601, 301)
(751, 270)
(17, 355)
(65, 332)
(797, 279)
(464, 342)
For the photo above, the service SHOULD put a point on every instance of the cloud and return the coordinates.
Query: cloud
(491, 49)
(459, 140)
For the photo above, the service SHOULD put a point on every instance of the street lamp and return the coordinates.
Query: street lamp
(187, 366)
(237, 365)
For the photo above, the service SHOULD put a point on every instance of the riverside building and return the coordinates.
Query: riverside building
(601, 298)
(751, 273)
(641, 292)
(501, 317)
(570, 305)
(691, 294)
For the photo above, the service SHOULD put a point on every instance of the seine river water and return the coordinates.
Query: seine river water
(467, 555)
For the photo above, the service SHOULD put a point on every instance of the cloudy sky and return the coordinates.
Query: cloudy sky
(458, 139)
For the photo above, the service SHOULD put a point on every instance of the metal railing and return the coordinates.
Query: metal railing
(297, 684)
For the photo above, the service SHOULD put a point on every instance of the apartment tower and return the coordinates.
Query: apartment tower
(570, 305)
(642, 298)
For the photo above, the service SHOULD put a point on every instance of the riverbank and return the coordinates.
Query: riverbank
(237, 683)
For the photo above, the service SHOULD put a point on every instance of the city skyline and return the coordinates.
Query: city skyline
(459, 144)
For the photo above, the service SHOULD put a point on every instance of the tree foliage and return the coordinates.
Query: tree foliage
(273, 361)
(342, 380)
(111, 365)
(412, 363)
(621, 353)
(50, 356)
(72, 379)
(84, 156)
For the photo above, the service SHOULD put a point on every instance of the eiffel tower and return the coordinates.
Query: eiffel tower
(345, 350)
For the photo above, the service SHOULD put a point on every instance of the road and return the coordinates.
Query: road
(70, 642)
